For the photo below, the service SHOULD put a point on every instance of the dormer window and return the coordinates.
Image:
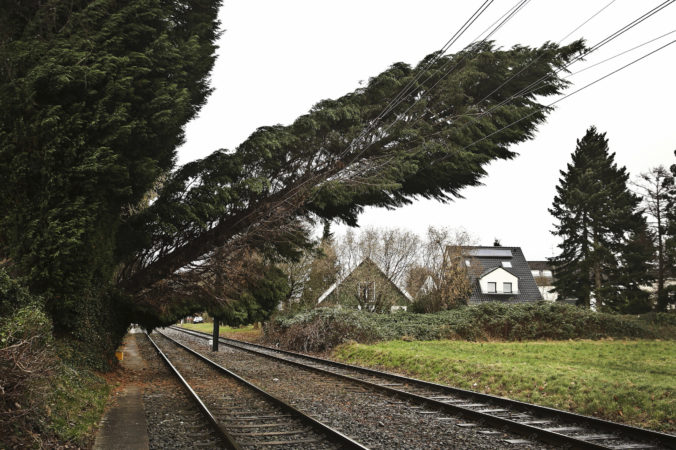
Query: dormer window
(507, 264)
(492, 287)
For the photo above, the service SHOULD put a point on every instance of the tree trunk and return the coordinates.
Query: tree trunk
(661, 295)
(597, 273)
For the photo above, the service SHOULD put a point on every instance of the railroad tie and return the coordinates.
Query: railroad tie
(631, 446)
(249, 418)
(272, 433)
(563, 429)
(261, 425)
(294, 442)
(518, 441)
(596, 437)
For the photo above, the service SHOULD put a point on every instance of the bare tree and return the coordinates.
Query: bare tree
(437, 242)
(394, 250)
(443, 275)
(656, 187)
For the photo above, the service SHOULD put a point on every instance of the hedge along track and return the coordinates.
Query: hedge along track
(244, 415)
(546, 424)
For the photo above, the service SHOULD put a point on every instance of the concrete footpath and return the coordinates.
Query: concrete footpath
(124, 424)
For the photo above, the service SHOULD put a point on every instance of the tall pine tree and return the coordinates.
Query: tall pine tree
(669, 299)
(605, 248)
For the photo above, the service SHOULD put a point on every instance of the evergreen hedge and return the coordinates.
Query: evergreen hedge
(323, 328)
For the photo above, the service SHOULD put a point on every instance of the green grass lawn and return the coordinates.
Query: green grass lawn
(625, 381)
(246, 333)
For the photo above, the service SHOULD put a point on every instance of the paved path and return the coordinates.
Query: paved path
(124, 424)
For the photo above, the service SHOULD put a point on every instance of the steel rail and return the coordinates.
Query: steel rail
(334, 435)
(229, 440)
(635, 433)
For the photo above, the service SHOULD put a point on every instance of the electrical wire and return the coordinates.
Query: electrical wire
(598, 80)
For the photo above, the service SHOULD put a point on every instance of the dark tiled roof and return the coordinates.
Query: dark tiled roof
(539, 265)
(528, 290)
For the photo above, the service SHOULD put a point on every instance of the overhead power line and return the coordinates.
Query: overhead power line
(535, 84)
(407, 88)
(598, 80)
(491, 29)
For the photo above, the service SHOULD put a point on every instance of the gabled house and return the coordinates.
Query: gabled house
(499, 274)
(367, 287)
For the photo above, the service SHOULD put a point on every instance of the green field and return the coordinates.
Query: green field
(246, 333)
(625, 381)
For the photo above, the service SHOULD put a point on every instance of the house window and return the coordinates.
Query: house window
(507, 288)
(507, 264)
(367, 291)
(492, 287)
(535, 273)
(547, 273)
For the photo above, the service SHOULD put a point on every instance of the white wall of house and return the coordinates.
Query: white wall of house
(547, 294)
(499, 276)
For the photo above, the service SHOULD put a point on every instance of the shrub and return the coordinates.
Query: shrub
(44, 401)
(323, 328)
(26, 366)
(319, 330)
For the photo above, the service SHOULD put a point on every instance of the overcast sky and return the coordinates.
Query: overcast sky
(277, 59)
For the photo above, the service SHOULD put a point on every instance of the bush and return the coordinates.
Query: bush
(319, 330)
(44, 401)
(324, 328)
(26, 365)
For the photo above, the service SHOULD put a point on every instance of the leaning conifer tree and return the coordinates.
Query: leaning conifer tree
(602, 229)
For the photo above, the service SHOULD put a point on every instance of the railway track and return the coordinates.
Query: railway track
(550, 425)
(243, 415)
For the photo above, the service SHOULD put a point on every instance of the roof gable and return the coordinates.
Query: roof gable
(365, 262)
(496, 269)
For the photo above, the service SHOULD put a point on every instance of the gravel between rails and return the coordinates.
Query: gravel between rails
(174, 421)
(376, 420)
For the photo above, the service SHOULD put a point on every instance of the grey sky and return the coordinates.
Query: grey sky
(277, 59)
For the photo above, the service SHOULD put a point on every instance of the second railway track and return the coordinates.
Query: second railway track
(560, 428)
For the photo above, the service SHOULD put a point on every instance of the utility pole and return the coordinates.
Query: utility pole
(215, 334)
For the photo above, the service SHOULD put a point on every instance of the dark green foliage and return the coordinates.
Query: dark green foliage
(308, 169)
(606, 246)
(323, 328)
(94, 97)
(13, 296)
(257, 300)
